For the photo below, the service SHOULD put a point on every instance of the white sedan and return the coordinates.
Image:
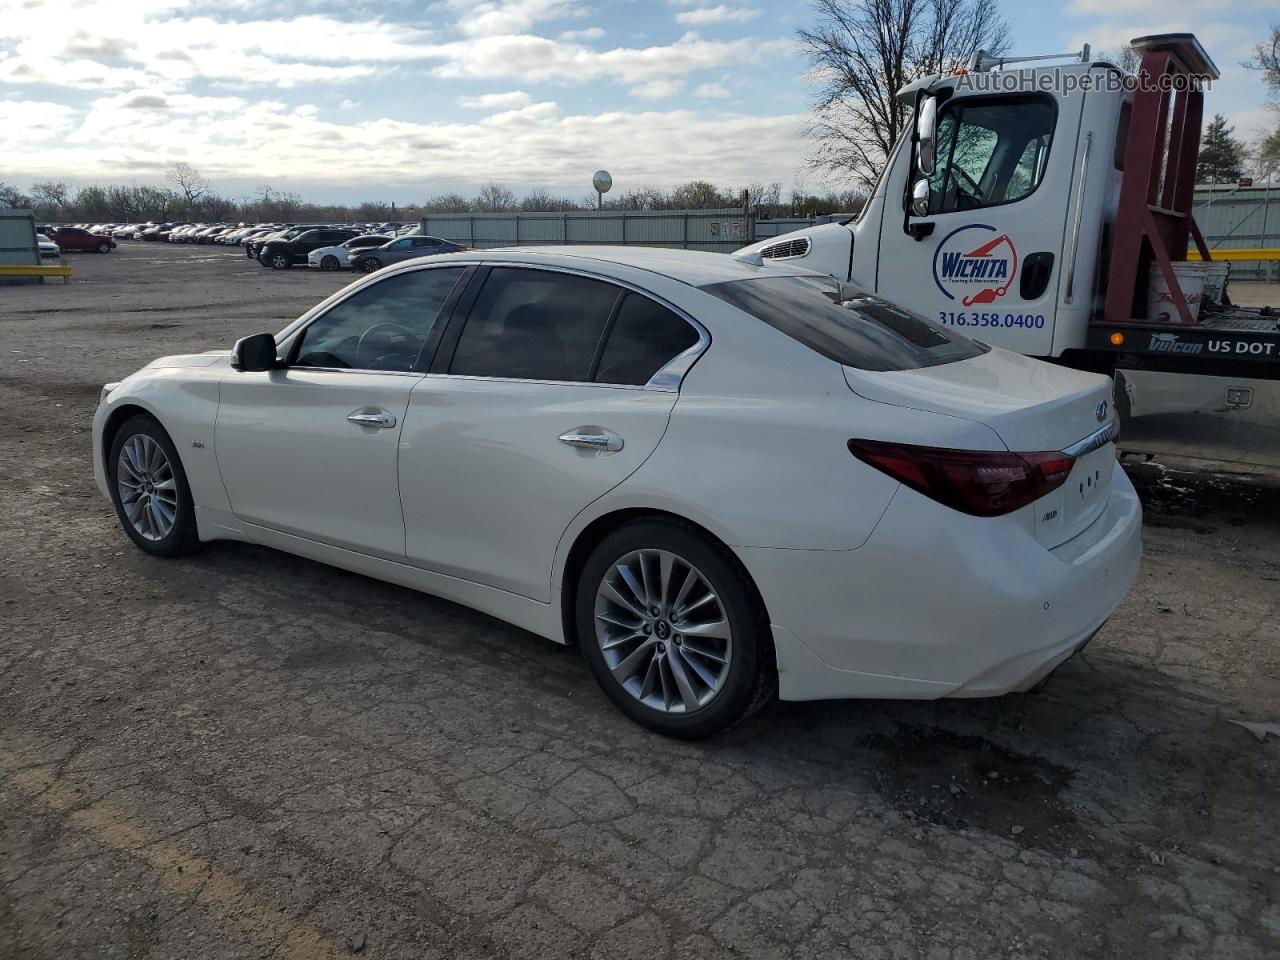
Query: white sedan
(335, 257)
(719, 478)
(48, 249)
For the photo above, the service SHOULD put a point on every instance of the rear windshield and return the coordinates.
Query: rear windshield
(846, 324)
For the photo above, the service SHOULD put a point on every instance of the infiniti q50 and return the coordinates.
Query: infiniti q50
(721, 479)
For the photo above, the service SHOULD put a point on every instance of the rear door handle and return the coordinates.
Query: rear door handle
(380, 420)
(591, 438)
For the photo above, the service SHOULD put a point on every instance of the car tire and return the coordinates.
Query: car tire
(686, 687)
(370, 264)
(104, 248)
(149, 489)
(330, 262)
(280, 261)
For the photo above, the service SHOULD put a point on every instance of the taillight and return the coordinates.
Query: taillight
(977, 482)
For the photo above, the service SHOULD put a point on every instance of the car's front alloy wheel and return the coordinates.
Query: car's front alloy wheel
(104, 248)
(672, 629)
(371, 264)
(280, 261)
(149, 489)
(330, 262)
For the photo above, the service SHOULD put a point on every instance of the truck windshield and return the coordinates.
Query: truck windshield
(846, 324)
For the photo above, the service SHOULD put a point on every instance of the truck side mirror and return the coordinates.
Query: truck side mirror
(926, 134)
(254, 354)
(920, 198)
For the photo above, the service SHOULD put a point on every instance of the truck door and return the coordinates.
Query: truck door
(983, 250)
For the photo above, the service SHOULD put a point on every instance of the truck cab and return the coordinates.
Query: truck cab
(1037, 207)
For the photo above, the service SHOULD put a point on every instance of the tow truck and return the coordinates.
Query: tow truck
(1031, 204)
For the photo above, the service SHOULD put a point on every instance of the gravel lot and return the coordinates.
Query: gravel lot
(245, 754)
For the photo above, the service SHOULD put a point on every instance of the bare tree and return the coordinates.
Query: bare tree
(447, 203)
(863, 51)
(494, 198)
(1266, 57)
(11, 196)
(52, 193)
(189, 182)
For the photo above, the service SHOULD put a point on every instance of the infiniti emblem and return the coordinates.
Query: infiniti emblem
(1101, 411)
(661, 629)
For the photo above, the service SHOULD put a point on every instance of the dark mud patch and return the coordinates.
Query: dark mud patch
(1174, 497)
(959, 782)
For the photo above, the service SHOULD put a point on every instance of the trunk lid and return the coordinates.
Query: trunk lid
(1032, 406)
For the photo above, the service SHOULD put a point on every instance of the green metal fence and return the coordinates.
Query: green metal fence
(1238, 217)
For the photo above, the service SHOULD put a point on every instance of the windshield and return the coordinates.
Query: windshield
(846, 324)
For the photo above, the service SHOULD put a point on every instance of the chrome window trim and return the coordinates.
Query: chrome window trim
(667, 379)
(1095, 441)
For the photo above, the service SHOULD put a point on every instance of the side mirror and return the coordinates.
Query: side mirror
(920, 198)
(926, 134)
(254, 354)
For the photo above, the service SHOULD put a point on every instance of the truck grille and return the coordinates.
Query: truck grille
(786, 249)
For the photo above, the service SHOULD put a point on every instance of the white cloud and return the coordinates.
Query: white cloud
(590, 33)
(505, 17)
(649, 71)
(711, 91)
(718, 14)
(348, 104)
(536, 143)
(35, 120)
(496, 101)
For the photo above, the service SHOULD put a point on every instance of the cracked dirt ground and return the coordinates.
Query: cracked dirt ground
(243, 754)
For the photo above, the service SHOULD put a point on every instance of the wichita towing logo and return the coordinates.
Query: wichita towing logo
(974, 267)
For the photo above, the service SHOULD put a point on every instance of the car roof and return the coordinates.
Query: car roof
(694, 267)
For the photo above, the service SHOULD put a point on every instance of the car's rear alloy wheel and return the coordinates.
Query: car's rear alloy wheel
(280, 261)
(670, 624)
(663, 631)
(372, 264)
(330, 263)
(149, 489)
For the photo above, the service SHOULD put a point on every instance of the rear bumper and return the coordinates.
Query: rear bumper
(937, 604)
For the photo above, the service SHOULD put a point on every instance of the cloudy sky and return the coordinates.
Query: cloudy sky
(398, 99)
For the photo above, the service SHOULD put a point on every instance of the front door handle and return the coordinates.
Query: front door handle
(380, 420)
(592, 438)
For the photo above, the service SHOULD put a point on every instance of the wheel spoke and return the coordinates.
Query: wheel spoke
(676, 662)
(698, 650)
(652, 598)
(637, 589)
(714, 628)
(614, 594)
(650, 678)
(666, 561)
(617, 621)
(135, 509)
(619, 641)
(690, 579)
(163, 513)
(684, 611)
(629, 664)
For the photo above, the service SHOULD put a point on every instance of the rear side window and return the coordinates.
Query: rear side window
(644, 339)
(845, 324)
(534, 325)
